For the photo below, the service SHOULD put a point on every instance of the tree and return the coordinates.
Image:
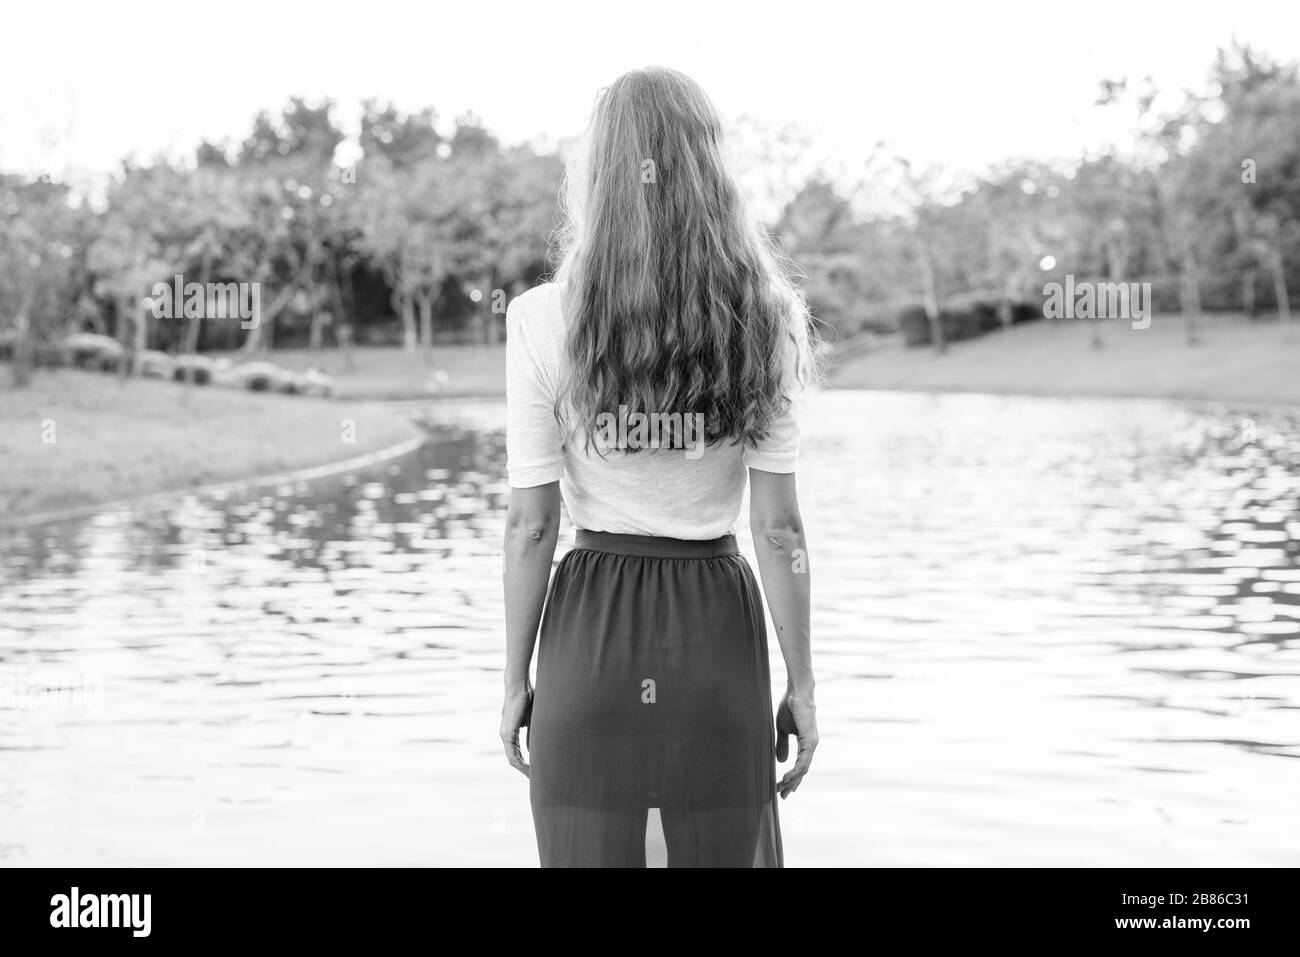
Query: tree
(1249, 159)
(299, 130)
(133, 250)
(289, 191)
(924, 192)
(42, 251)
(403, 139)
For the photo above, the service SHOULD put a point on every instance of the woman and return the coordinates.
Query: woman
(653, 689)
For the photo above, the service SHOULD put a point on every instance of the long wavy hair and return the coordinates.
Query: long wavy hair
(676, 299)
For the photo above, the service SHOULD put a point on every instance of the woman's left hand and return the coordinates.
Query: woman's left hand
(516, 712)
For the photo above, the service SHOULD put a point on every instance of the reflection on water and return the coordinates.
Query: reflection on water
(1047, 632)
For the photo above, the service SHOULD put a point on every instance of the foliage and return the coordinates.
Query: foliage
(425, 230)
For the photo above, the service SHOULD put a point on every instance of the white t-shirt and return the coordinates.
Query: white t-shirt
(673, 493)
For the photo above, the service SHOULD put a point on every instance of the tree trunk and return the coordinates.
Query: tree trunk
(1006, 307)
(931, 292)
(191, 347)
(1094, 320)
(342, 294)
(96, 322)
(1241, 221)
(259, 337)
(317, 340)
(141, 339)
(342, 315)
(1279, 287)
(424, 300)
(124, 329)
(119, 320)
(410, 335)
(1116, 264)
(192, 325)
(254, 342)
(344, 333)
(400, 297)
(1190, 293)
(22, 359)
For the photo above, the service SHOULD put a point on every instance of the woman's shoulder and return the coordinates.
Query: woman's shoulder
(539, 304)
(536, 316)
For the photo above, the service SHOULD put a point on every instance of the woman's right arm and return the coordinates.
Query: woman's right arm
(534, 466)
(782, 550)
(532, 529)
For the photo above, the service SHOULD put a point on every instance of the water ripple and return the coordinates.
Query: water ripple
(1047, 631)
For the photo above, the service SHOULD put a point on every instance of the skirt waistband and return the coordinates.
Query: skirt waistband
(652, 546)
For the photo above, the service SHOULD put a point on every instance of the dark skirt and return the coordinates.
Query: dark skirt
(653, 691)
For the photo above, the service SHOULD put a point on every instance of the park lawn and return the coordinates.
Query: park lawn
(119, 438)
(1237, 361)
(387, 372)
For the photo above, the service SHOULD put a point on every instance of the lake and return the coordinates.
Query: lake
(1046, 632)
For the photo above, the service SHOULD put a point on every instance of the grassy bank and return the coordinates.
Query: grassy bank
(385, 372)
(115, 439)
(1236, 361)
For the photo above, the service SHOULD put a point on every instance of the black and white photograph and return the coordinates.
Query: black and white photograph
(684, 435)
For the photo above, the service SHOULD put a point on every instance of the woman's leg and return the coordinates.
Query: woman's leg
(589, 837)
(722, 837)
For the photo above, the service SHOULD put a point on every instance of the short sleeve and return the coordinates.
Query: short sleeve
(534, 448)
(779, 451)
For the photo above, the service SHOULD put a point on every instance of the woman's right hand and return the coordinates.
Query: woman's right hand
(795, 715)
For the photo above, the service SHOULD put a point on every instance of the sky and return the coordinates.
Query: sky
(949, 84)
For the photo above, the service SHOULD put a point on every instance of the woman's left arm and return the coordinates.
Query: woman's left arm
(532, 529)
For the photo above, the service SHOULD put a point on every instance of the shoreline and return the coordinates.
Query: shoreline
(114, 437)
(307, 473)
(399, 407)
(73, 440)
(295, 475)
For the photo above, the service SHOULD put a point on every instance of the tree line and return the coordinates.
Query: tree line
(427, 232)
(422, 226)
(1204, 203)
